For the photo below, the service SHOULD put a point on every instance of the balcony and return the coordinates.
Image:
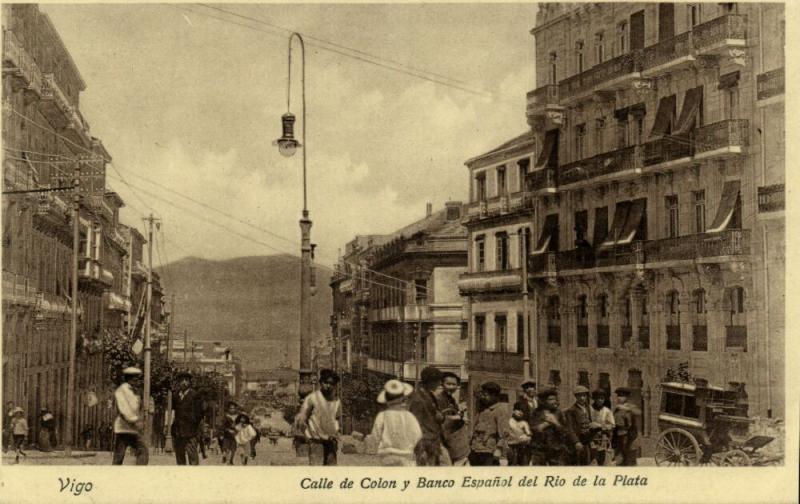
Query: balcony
(407, 313)
(618, 164)
(668, 56)
(494, 362)
(410, 369)
(77, 130)
(770, 87)
(668, 153)
(724, 35)
(736, 337)
(612, 75)
(106, 277)
(543, 181)
(21, 65)
(771, 198)
(721, 139)
(18, 289)
(497, 206)
(490, 281)
(55, 106)
(543, 105)
(118, 303)
(732, 242)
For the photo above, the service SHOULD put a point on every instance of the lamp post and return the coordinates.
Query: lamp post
(287, 146)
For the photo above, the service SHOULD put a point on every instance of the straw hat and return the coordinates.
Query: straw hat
(394, 389)
(131, 371)
(17, 410)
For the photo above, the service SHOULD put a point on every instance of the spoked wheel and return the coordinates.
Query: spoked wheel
(735, 458)
(677, 447)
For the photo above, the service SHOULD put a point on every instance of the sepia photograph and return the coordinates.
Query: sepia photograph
(543, 235)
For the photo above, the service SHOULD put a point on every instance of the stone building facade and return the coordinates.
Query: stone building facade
(498, 218)
(658, 229)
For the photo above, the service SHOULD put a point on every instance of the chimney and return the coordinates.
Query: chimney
(428, 209)
(453, 210)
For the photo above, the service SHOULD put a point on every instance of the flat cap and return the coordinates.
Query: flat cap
(528, 384)
(491, 388)
(580, 389)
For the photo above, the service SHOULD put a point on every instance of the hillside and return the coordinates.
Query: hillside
(251, 303)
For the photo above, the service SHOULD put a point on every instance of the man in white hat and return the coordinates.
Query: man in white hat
(396, 429)
(128, 425)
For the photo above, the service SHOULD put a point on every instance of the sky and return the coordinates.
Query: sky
(189, 105)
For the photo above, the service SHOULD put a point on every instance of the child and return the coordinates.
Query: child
(227, 433)
(19, 431)
(245, 432)
(396, 430)
(519, 438)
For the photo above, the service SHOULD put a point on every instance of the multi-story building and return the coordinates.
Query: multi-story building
(498, 218)
(45, 139)
(658, 230)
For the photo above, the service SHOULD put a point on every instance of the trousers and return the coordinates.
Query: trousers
(123, 441)
(322, 452)
(186, 447)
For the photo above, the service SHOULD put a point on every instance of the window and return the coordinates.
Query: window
(583, 378)
(553, 68)
(480, 253)
(599, 45)
(580, 133)
(501, 180)
(625, 327)
(553, 321)
(583, 322)
(672, 216)
(699, 199)
(579, 57)
(736, 329)
(581, 226)
(693, 15)
(599, 135)
(502, 262)
(622, 38)
(736, 295)
(622, 131)
(699, 302)
(520, 334)
(730, 104)
(639, 129)
(480, 332)
(673, 321)
(523, 165)
(421, 290)
(500, 333)
(728, 7)
(480, 181)
(555, 378)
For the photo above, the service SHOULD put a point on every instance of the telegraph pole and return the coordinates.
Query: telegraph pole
(73, 333)
(146, 394)
(526, 345)
(168, 439)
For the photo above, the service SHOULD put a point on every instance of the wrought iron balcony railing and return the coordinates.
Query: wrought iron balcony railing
(771, 198)
(769, 84)
(499, 362)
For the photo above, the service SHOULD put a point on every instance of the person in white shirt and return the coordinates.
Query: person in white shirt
(128, 425)
(396, 429)
(319, 420)
(602, 421)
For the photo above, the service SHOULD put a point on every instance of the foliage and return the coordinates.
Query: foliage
(118, 354)
(359, 398)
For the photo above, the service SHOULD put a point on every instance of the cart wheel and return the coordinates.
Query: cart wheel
(735, 458)
(677, 447)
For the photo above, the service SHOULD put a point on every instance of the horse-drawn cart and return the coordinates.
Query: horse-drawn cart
(702, 424)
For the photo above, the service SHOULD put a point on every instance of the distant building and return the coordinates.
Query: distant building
(209, 358)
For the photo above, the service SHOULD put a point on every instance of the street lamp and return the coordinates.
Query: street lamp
(287, 146)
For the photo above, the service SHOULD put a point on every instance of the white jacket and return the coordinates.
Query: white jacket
(128, 406)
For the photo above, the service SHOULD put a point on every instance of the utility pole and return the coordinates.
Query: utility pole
(73, 333)
(526, 345)
(129, 287)
(146, 394)
(168, 439)
(185, 333)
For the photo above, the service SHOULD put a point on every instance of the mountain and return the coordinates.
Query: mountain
(249, 303)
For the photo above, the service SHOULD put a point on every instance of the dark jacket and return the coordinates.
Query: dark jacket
(188, 414)
(578, 421)
(550, 438)
(423, 405)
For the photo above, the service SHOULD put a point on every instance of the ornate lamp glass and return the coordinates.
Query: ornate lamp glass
(287, 145)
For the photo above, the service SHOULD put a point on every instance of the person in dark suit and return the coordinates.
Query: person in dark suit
(526, 402)
(423, 405)
(188, 408)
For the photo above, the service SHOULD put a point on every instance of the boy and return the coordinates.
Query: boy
(518, 439)
(19, 431)
(396, 429)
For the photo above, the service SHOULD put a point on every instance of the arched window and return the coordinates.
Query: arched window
(626, 330)
(583, 322)
(644, 322)
(553, 321)
(736, 330)
(673, 319)
(603, 339)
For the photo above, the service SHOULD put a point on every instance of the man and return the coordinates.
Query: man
(128, 425)
(490, 427)
(552, 440)
(626, 429)
(319, 420)
(188, 407)
(580, 423)
(527, 401)
(603, 418)
(454, 429)
(423, 405)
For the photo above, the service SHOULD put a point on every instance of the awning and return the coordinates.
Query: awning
(692, 101)
(636, 213)
(549, 154)
(664, 116)
(728, 80)
(548, 240)
(727, 205)
(637, 110)
(620, 217)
